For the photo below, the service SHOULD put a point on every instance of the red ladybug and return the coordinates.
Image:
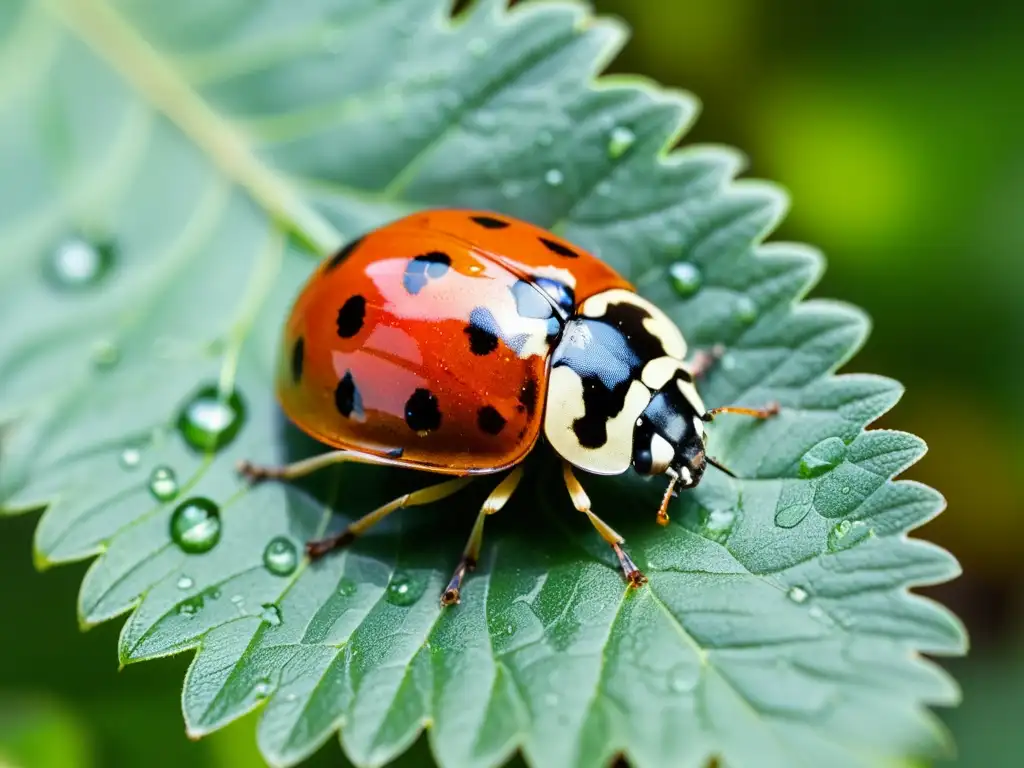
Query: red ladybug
(447, 340)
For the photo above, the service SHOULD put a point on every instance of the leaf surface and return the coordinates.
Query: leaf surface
(169, 168)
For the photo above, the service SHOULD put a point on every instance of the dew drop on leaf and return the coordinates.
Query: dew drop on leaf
(185, 583)
(686, 278)
(79, 263)
(281, 556)
(262, 689)
(190, 607)
(848, 533)
(195, 525)
(130, 458)
(163, 483)
(511, 189)
(797, 595)
(621, 140)
(746, 310)
(405, 590)
(554, 178)
(510, 629)
(347, 587)
(719, 525)
(271, 614)
(823, 457)
(208, 421)
(791, 515)
(105, 355)
(683, 678)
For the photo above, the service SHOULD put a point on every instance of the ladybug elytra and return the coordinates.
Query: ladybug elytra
(448, 340)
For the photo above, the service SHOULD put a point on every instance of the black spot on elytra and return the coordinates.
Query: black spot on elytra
(421, 411)
(628, 319)
(528, 396)
(481, 340)
(561, 250)
(343, 253)
(489, 420)
(425, 267)
(298, 355)
(351, 316)
(530, 302)
(600, 405)
(489, 222)
(347, 399)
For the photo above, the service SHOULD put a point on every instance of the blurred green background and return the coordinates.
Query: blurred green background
(898, 129)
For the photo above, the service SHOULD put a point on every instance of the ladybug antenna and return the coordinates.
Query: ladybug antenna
(717, 464)
(663, 509)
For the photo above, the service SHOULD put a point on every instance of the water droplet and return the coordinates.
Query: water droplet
(683, 678)
(78, 263)
(545, 138)
(271, 614)
(551, 699)
(190, 607)
(185, 583)
(604, 188)
(105, 355)
(823, 457)
(848, 533)
(405, 590)
(510, 629)
(791, 515)
(291, 697)
(208, 422)
(621, 140)
(719, 525)
(214, 594)
(477, 46)
(237, 599)
(262, 689)
(729, 362)
(797, 594)
(347, 587)
(554, 177)
(281, 556)
(845, 490)
(686, 278)
(130, 458)
(816, 612)
(746, 310)
(195, 525)
(163, 483)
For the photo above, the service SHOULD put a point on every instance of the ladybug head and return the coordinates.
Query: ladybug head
(669, 437)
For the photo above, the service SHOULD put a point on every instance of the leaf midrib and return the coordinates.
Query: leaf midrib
(163, 87)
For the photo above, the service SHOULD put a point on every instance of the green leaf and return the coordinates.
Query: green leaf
(167, 167)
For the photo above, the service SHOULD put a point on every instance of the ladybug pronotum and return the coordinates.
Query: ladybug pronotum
(448, 340)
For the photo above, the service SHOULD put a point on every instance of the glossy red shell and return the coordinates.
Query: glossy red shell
(413, 342)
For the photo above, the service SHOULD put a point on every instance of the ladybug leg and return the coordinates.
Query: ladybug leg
(256, 472)
(703, 360)
(497, 499)
(319, 547)
(581, 501)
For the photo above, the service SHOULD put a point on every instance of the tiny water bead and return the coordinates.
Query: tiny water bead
(686, 278)
(791, 515)
(163, 483)
(848, 533)
(185, 583)
(347, 587)
(554, 178)
(210, 421)
(621, 140)
(105, 355)
(797, 595)
(746, 310)
(130, 458)
(281, 556)
(79, 263)
(271, 614)
(719, 525)
(195, 525)
(404, 590)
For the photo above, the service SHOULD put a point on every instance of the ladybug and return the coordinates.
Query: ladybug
(449, 340)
